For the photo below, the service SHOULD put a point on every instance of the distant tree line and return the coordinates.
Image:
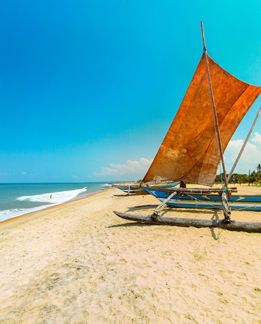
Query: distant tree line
(253, 177)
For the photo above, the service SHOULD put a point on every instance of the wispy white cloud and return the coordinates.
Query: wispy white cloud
(251, 156)
(129, 169)
(257, 139)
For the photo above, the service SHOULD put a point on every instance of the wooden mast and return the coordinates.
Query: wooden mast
(244, 145)
(213, 105)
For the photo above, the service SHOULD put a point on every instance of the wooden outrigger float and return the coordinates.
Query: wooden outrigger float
(213, 106)
(250, 227)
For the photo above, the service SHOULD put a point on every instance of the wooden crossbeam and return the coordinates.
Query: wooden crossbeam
(201, 191)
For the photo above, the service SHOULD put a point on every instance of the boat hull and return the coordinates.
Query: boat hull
(236, 202)
(133, 191)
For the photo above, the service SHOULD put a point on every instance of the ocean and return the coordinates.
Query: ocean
(17, 199)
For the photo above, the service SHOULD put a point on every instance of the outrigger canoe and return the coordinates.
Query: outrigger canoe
(210, 112)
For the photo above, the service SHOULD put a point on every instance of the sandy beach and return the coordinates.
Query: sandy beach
(79, 263)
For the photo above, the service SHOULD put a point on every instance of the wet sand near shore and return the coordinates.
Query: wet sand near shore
(79, 263)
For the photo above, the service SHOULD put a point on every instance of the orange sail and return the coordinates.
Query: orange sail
(189, 150)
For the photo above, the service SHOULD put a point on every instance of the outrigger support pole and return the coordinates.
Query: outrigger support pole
(226, 209)
(244, 145)
(157, 212)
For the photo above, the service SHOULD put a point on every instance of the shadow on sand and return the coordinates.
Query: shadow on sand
(212, 230)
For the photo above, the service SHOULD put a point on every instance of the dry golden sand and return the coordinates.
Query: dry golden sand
(79, 263)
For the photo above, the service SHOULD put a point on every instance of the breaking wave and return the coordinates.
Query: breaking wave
(49, 199)
(53, 197)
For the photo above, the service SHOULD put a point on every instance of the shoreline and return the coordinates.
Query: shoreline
(38, 209)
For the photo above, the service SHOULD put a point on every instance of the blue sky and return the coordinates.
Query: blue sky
(88, 85)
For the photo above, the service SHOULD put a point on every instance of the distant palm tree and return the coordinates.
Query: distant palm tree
(259, 167)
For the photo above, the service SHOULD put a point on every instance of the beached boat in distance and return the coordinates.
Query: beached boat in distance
(138, 188)
(212, 108)
(107, 185)
(130, 188)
